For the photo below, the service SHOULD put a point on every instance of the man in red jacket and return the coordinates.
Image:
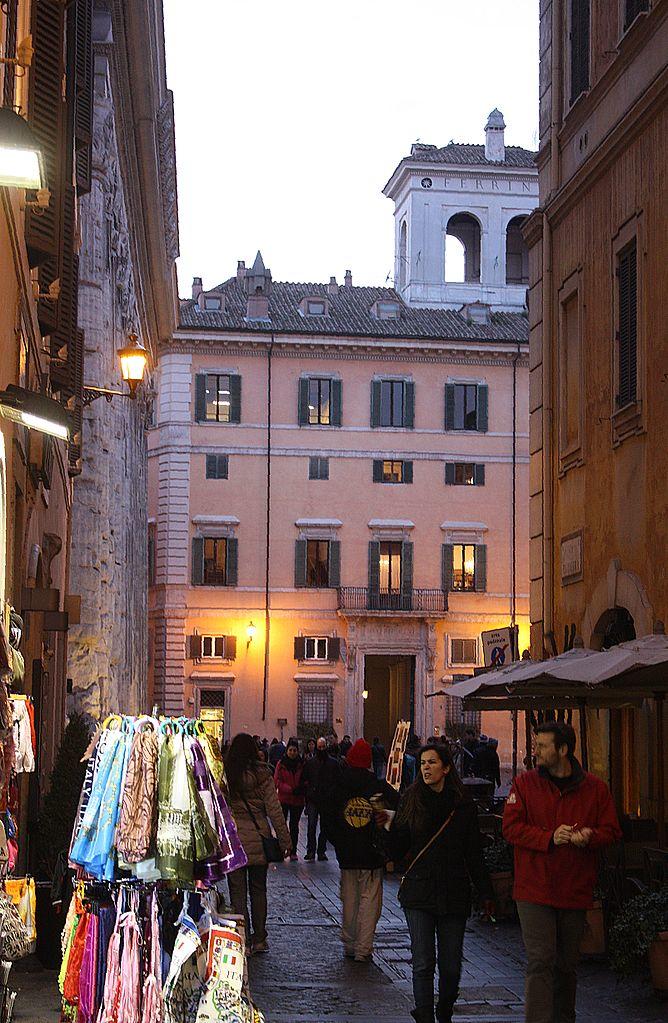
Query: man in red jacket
(557, 817)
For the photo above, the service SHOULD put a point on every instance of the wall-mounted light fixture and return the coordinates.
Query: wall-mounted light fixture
(21, 159)
(36, 411)
(251, 632)
(365, 694)
(134, 359)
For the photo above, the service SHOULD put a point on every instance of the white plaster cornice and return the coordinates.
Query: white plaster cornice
(215, 520)
(312, 676)
(318, 523)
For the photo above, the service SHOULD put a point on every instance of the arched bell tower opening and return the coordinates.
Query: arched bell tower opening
(517, 254)
(403, 254)
(462, 233)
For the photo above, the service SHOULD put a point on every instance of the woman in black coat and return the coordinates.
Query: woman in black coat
(435, 892)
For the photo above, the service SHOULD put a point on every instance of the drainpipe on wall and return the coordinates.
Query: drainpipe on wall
(267, 597)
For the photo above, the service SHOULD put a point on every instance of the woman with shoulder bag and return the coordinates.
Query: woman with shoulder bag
(254, 803)
(435, 831)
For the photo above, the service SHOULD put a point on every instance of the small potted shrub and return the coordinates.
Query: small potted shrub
(639, 936)
(499, 860)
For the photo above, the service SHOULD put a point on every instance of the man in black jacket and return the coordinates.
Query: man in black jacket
(352, 829)
(318, 778)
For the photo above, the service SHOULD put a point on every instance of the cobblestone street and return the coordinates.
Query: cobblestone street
(305, 978)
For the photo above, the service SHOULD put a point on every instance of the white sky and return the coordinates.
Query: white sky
(292, 114)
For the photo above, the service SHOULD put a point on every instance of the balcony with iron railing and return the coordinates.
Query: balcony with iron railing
(362, 600)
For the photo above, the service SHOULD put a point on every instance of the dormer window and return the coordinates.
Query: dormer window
(315, 307)
(387, 311)
(212, 302)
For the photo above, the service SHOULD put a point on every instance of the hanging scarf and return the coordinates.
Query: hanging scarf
(137, 818)
(203, 820)
(229, 854)
(152, 994)
(107, 925)
(93, 848)
(129, 991)
(73, 974)
(88, 971)
(214, 758)
(174, 839)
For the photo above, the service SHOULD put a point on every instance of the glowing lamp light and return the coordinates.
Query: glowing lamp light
(134, 359)
(21, 162)
(251, 632)
(365, 694)
(36, 411)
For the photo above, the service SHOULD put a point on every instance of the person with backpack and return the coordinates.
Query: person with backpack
(352, 830)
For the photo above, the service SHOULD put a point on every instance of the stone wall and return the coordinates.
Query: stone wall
(109, 567)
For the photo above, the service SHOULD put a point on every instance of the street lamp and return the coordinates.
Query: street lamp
(21, 161)
(36, 411)
(134, 359)
(251, 631)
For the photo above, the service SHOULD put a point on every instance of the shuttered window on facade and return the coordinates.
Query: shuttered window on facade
(317, 563)
(318, 468)
(317, 648)
(80, 89)
(9, 76)
(579, 39)
(214, 561)
(464, 474)
(217, 398)
(466, 407)
(208, 647)
(627, 336)
(217, 467)
(463, 567)
(393, 403)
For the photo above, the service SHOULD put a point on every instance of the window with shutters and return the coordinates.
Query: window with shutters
(317, 563)
(152, 534)
(217, 467)
(390, 567)
(463, 566)
(315, 648)
(463, 651)
(627, 330)
(466, 407)
(215, 562)
(218, 398)
(318, 468)
(632, 8)
(464, 474)
(392, 402)
(213, 646)
(570, 372)
(9, 50)
(579, 47)
(319, 401)
(392, 472)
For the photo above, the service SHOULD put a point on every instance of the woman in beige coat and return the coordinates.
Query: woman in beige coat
(252, 794)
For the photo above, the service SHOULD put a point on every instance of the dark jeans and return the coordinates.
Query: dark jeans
(552, 940)
(426, 930)
(292, 815)
(312, 814)
(242, 883)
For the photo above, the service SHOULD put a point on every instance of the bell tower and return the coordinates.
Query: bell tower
(459, 211)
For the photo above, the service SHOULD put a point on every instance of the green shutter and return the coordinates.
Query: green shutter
(232, 561)
(479, 475)
(336, 403)
(300, 648)
(408, 472)
(480, 570)
(446, 567)
(235, 399)
(211, 467)
(406, 575)
(409, 404)
(333, 648)
(198, 560)
(377, 470)
(230, 648)
(222, 467)
(375, 402)
(300, 562)
(200, 398)
(483, 392)
(302, 410)
(450, 473)
(334, 567)
(374, 573)
(323, 468)
(195, 647)
(449, 406)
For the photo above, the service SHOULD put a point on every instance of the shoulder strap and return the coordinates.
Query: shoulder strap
(250, 813)
(427, 846)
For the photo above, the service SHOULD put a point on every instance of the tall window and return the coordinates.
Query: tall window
(317, 563)
(579, 38)
(215, 562)
(462, 249)
(628, 326)
(463, 567)
(403, 254)
(218, 397)
(517, 254)
(392, 403)
(570, 375)
(390, 567)
(315, 710)
(319, 397)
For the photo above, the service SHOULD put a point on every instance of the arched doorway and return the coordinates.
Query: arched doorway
(462, 249)
(615, 626)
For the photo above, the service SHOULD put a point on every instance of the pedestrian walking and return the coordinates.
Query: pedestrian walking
(276, 751)
(436, 830)
(290, 789)
(379, 758)
(558, 817)
(253, 803)
(345, 745)
(486, 762)
(319, 776)
(310, 750)
(353, 832)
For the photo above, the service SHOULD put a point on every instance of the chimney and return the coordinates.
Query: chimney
(241, 271)
(197, 287)
(495, 149)
(332, 287)
(348, 279)
(258, 287)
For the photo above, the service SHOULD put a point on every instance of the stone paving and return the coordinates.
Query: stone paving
(304, 978)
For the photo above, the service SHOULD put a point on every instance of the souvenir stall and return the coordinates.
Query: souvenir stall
(148, 936)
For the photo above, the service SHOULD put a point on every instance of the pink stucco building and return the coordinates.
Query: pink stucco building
(336, 470)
